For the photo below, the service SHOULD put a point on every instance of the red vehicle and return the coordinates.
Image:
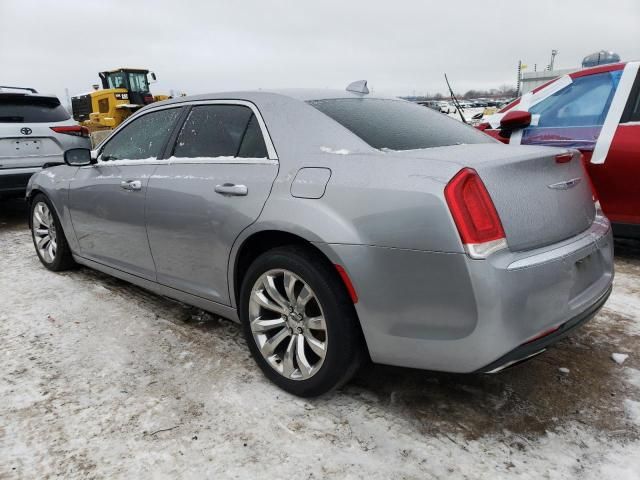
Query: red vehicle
(597, 111)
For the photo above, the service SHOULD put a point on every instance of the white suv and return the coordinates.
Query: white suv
(34, 130)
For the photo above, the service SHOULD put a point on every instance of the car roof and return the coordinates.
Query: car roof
(259, 96)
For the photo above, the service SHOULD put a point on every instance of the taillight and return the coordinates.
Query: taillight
(474, 214)
(76, 130)
(594, 194)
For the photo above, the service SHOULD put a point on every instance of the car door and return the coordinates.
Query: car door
(616, 179)
(107, 200)
(214, 185)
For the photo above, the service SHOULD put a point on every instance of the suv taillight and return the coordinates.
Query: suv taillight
(474, 214)
(76, 130)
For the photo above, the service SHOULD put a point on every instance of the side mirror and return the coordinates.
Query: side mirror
(78, 157)
(515, 120)
(153, 76)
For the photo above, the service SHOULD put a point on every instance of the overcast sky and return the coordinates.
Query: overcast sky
(401, 47)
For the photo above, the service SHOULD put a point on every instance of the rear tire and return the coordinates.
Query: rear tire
(299, 322)
(48, 237)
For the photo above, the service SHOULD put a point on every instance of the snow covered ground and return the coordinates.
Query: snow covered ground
(100, 379)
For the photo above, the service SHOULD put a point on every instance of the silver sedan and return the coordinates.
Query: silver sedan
(338, 227)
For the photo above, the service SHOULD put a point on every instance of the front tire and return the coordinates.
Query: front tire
(299, 321)
(48, 237)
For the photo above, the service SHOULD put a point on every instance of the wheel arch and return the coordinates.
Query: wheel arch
(31, 194)
(253, 245)
(60, 210)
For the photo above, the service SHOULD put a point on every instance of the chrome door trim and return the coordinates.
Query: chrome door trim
(178, 160)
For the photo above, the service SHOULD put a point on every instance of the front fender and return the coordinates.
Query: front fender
(54, 183)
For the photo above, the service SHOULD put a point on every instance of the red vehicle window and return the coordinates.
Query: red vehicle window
(573, 116)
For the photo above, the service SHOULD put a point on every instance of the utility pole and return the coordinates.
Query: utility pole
(553, 59)
(68, 99)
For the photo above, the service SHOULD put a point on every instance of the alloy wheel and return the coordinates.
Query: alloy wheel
(288, 324)
(44, 232)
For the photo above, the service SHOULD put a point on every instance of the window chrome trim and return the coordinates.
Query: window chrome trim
(271, 151)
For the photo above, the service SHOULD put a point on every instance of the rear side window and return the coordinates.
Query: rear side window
(398, 125)
(220, 131)
(143, 138)
(252, 145)
(31, 109)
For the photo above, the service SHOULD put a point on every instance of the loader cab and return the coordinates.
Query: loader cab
(135, 81)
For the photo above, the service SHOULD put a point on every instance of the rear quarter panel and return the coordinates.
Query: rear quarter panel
(376, 200)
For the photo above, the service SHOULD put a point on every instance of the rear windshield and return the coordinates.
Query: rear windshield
(398, 125)
(30, 109)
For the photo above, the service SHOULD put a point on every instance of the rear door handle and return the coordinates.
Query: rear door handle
(232, 189)
(131, 184)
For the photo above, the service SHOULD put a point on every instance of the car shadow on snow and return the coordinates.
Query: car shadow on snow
(528, 399)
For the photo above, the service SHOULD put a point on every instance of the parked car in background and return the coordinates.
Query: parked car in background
(597, 111)
(430, 104)
(446, 107)
(34, 130)
(336, 226)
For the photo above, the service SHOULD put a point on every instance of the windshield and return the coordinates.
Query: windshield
(116, 80)
(398, 125)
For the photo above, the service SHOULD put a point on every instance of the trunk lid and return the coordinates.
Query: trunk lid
(539, 201)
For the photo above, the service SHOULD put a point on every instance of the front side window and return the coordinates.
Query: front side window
(574, 115)
(398, 125)
(143, 138)
(220, 131)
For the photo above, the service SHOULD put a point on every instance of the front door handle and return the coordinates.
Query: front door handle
(232, 189)
(131, 184)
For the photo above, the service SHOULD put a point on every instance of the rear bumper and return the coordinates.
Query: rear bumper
(447, 312)
(535, 347)
(15, 180)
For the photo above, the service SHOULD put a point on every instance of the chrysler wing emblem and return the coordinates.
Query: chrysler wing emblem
(26, 131)
(566, 185)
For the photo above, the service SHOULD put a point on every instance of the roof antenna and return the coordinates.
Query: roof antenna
(359, 86)
(455, 100)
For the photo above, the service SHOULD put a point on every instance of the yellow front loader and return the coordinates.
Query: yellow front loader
(124, 90)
